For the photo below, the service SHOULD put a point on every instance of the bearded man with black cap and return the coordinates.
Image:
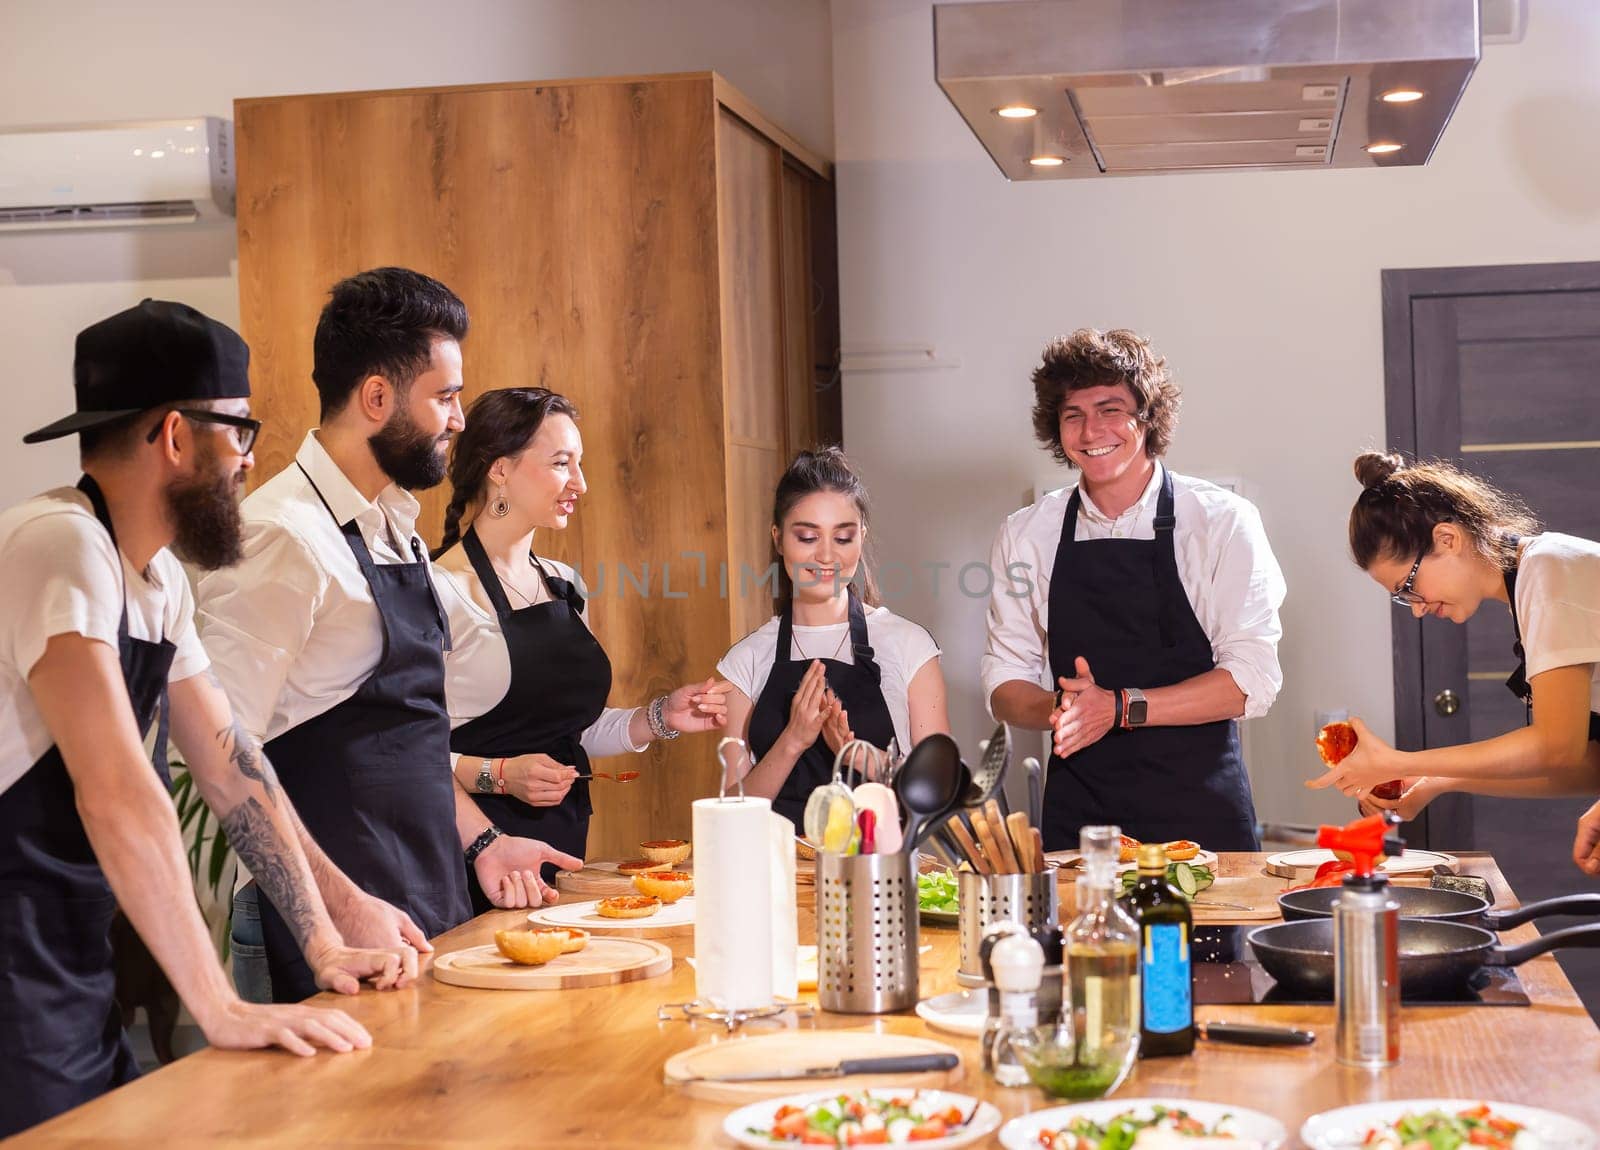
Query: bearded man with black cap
(96, 630)
(330, 637)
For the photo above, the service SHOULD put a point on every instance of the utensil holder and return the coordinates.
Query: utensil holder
(983, 900)
(866, 933)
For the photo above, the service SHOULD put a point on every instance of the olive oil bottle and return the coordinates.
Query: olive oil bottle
(1166, 971)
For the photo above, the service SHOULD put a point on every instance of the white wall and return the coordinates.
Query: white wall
(1261, 289)
(112, 60)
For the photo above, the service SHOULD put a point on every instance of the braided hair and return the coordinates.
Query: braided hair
(500, 424)
(1401, 503)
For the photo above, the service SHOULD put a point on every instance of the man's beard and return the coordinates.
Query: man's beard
(205, 514)
(409, 455)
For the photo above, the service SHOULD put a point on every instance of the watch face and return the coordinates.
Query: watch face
(1136, 711)
(486, 783)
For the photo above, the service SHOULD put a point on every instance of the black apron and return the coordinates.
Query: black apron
(858, 689)
(1517, 684)
(61, 1036)
(1119, 604)
(560, 680)
(370, 777)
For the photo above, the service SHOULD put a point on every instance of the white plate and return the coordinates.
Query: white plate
(582, 914)
(1023, 1133)
(759, 1115)
(959, 1012)
(1343, 1129)
(1412, 862)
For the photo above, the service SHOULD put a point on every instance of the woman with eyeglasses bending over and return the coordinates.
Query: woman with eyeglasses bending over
(1442, 542)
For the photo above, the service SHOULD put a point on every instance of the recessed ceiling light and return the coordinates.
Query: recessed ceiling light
(1402, 96)
(1046, 161)
(1382, 149)
(1016, 112)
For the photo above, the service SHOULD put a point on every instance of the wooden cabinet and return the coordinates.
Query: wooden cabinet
(655, 249)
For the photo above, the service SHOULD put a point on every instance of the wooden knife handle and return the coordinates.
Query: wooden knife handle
(991, 845)
(1037, 838)
(1007, 863)
(969, 846)
(1021, 840)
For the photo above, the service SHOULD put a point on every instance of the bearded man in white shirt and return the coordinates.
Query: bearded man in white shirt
(1152, 600)
(329, 636)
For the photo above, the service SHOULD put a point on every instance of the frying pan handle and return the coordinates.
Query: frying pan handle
(1588, 903)
(1573, 936)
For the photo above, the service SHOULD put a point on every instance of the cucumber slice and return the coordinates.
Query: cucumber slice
(1184, 877)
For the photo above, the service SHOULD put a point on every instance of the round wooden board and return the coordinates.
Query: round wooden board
(670, 921)
(604, 961)
(601, 879)
(797, 1050)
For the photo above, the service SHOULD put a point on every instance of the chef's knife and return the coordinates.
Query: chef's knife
(903, 1064)
(1245, 1034)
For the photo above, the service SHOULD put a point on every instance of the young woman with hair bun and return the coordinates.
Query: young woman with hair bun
(1443, 542)
(526, 683)
(834, 663)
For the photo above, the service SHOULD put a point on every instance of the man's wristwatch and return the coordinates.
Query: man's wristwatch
(1137, 709)
(481, 843)
(484, 783)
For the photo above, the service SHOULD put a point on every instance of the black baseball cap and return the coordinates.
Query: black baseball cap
(148, 356)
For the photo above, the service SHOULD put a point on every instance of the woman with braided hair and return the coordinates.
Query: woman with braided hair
(526, 683)
(1442, 543)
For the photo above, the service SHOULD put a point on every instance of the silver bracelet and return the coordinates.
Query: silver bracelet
(654, 715)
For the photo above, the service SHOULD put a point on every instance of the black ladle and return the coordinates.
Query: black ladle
(929, 783)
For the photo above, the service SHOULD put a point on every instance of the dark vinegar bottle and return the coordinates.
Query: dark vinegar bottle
(1166, 971)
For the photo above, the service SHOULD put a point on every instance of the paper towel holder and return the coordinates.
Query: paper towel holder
(733, 1019)
(722, 780)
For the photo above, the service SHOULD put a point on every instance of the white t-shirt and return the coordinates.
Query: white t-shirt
(1558, 605)
(64, 577)
(477, 668)
(899, 646)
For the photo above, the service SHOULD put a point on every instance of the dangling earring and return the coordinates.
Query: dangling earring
(500, 506)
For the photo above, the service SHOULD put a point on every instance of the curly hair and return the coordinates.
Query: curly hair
(500, 423)
(1400, 504)
(1093, 358)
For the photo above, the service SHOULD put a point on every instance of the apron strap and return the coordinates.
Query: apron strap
(358, 546)
(1517, 682)
(97, 501)
(487, 577)
(1166, 560)
(865, 658)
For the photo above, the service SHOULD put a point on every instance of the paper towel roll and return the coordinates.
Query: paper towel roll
(733, 944)
(785, 927)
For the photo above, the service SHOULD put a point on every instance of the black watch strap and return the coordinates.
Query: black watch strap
(481, 843)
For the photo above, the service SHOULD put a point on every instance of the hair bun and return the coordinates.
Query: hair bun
(1373, 467)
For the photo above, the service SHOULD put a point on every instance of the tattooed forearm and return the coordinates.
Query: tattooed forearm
(242, 751)
(255, 839)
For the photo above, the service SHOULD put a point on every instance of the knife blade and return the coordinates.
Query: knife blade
(1246, 1034)
(900, 1064)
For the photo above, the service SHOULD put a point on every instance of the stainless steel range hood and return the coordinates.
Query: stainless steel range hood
(1138, 87)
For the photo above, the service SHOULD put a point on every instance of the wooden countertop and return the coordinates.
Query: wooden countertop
(451, 1066)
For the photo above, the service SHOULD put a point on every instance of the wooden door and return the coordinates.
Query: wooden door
(1497, 369)
(750, 259)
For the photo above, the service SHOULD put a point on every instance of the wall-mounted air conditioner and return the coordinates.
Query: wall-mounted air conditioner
(116, 175)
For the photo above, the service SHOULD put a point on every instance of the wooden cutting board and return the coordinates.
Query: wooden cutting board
(797, 1050)
(605, 960)
(1256, 893)
(600, 878)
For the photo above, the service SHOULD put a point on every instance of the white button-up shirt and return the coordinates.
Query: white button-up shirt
(293, 630)
(1225, 564)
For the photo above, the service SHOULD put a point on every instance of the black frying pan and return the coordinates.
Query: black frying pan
(1437, 959)
(1445, 905)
